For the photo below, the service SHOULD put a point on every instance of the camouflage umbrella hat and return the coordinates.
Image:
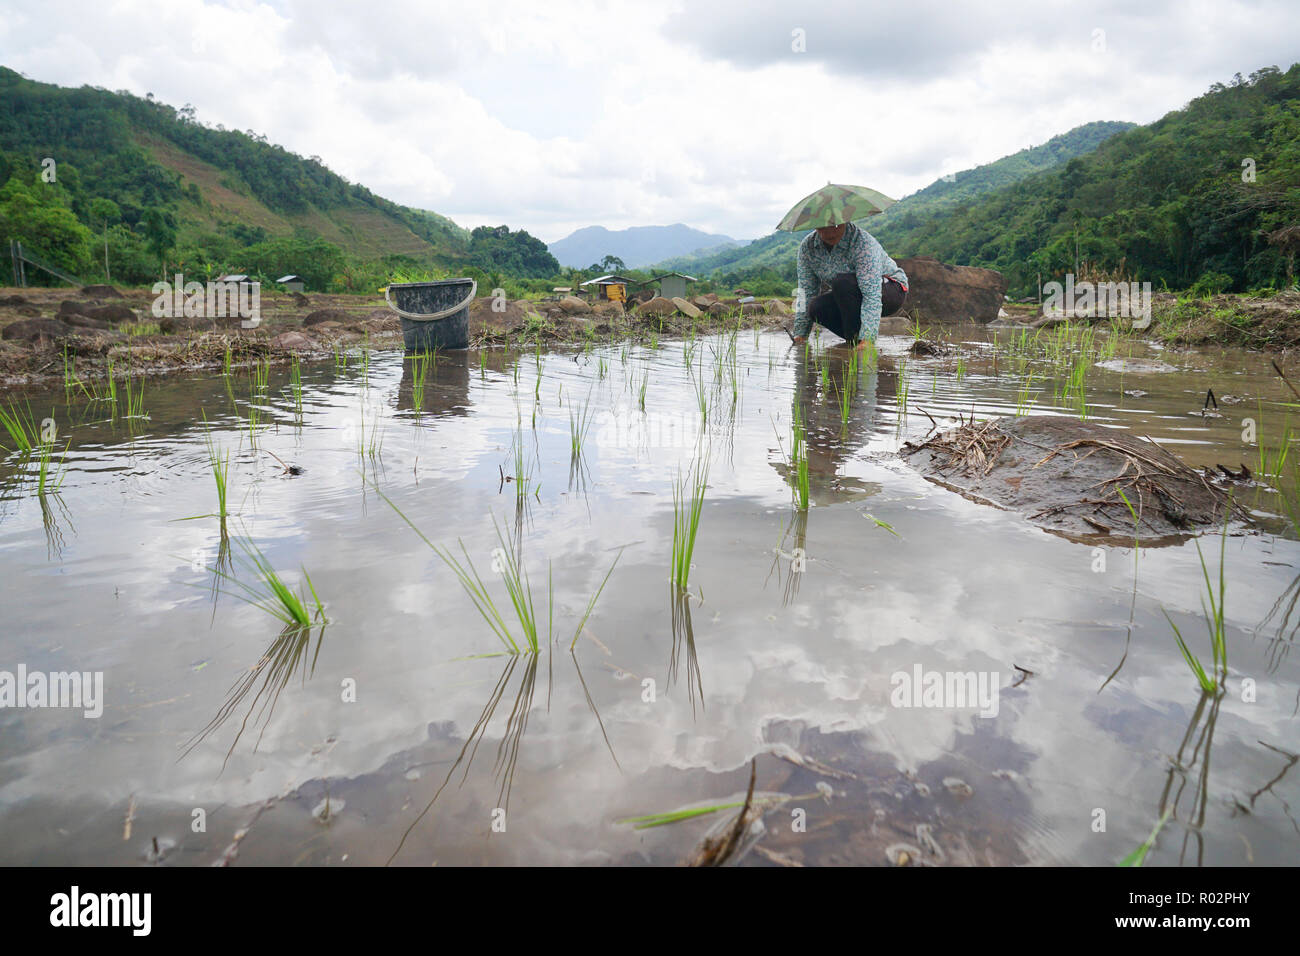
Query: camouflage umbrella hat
(832, 205)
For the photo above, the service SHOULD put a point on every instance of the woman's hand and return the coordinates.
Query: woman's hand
(800, 339)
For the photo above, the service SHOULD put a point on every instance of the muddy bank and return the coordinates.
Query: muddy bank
(99, 324)
(1073, 477)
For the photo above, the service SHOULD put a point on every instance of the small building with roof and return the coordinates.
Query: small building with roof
(673, 284)
(612, 287)
(292, 283)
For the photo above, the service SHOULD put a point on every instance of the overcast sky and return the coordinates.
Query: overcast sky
(556, 114)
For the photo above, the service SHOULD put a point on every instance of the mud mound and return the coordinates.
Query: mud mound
(1072, 477)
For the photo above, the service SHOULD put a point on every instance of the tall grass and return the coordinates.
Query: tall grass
(688, 502)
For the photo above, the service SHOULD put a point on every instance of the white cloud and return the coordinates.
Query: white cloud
(558, 116)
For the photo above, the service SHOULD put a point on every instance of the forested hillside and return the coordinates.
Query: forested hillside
(138, 182)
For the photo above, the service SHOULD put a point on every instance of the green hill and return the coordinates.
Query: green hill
(153, 183)
(1204, 197)
(767, 264)
(1198, 198)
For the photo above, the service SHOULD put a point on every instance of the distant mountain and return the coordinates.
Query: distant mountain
(776, 252)
(637, 246)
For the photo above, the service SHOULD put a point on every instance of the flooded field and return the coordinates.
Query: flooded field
(396, 724)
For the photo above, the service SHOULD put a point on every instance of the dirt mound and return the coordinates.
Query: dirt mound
(101, 292)
(327, 315)
(1072, 477)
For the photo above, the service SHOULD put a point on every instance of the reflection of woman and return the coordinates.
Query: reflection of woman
(830, 439)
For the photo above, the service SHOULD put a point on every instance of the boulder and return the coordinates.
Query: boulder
(572, 305)
(105, 313)
(85, 322)
(753, 308)
(703, 301)
(685, 308)
(656, 306)
(34, 330)
(293, 341)
(12, 300)
(101, 292)
(937, 292)
(608, 308)
(299, 299)
(326, 315)
(567, 325)
(174, 325)
(514, 316)
(719, 310)
(777, 307)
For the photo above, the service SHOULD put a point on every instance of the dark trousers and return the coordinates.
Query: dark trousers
(840, 310)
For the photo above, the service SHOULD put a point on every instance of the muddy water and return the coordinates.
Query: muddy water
(783, 655)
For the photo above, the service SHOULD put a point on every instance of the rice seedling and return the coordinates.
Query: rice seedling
(421, 362)
(365, 359)
(702, 398)
(506, 561)
(1024, 401)
(134, 329)
(645, 382)
(295, 385)
(522, 474)
(602, 367)
(482, 365)
(219, 463)
(69, 372)
(225, 362)
(21, 428)
(48, 481)
(901, 390)
(134, 399)
(1214, 618)
(1138, 855)
(688, 502)
(1271, 466)
(881, 524)
(961, 366)
(261, 372)
(799, 458)
(579, 425)
(268, 591)
(844, 395)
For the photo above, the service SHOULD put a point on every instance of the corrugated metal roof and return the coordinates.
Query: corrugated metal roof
(289, 278)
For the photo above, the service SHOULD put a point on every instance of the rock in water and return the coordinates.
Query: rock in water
(944, 293)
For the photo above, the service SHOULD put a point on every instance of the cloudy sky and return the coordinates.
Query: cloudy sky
(717, 113)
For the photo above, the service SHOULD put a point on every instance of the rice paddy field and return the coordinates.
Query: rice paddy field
(531, 606)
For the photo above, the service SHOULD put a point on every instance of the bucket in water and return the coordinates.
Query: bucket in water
(435, 315)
